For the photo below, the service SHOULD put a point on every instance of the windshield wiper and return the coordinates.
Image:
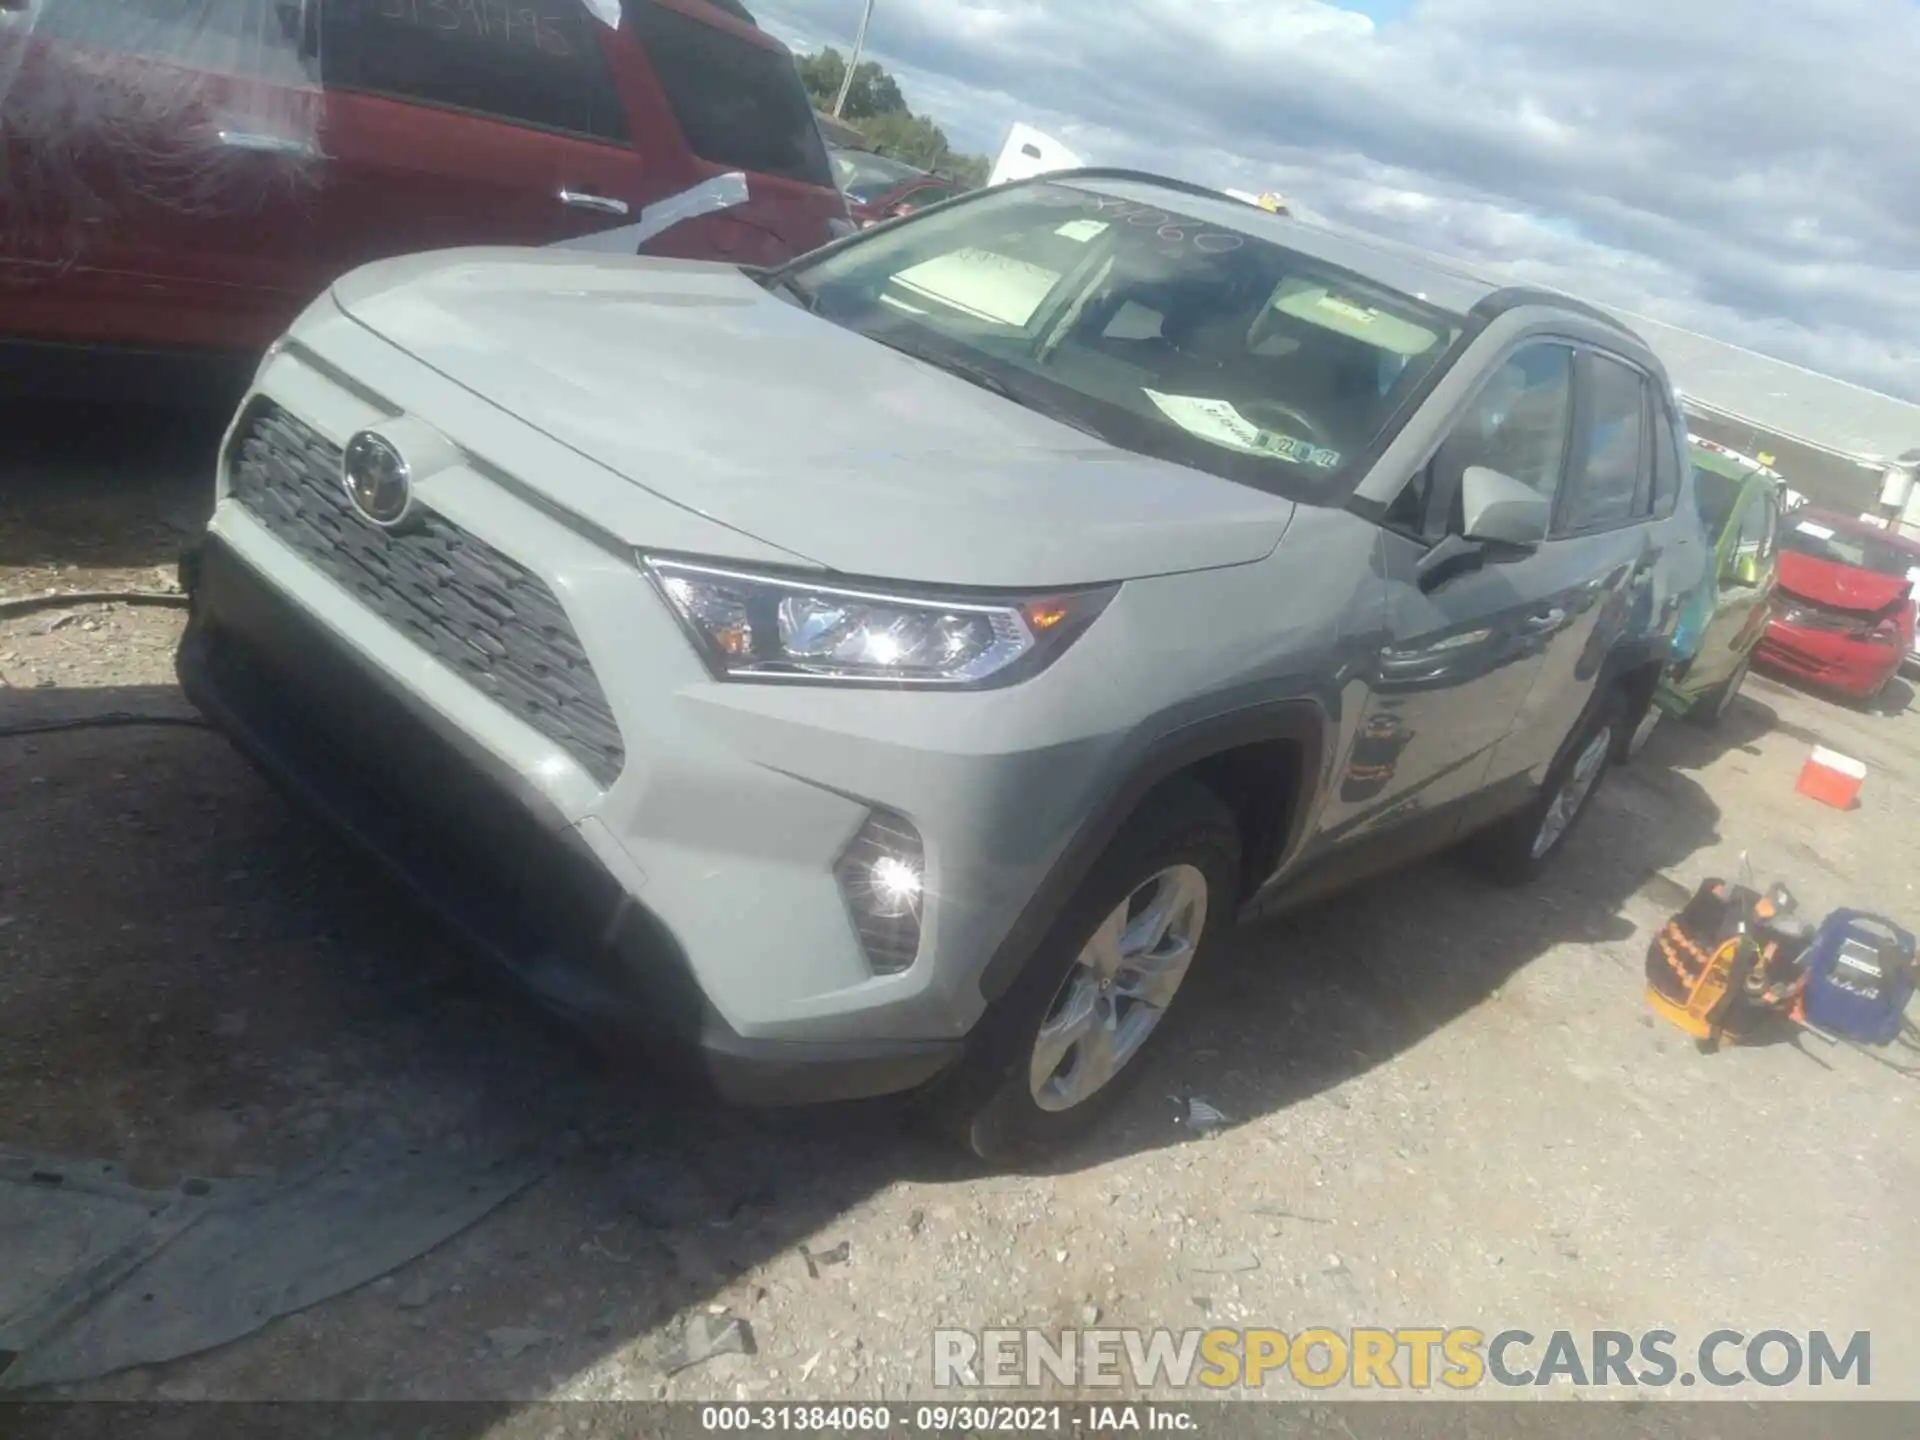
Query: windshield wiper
(992, 382)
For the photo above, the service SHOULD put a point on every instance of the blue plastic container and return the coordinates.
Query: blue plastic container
(1860, 976)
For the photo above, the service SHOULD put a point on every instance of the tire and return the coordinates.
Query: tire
(1518, 850)
(996, 1103)
(1643, 732)
(1711, 708)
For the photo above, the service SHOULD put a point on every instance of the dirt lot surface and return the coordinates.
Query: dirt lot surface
(1447, 1104)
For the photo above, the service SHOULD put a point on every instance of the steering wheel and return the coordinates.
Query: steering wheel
(1274, 415)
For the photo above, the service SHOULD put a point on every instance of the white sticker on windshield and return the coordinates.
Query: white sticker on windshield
(1218, 421)
(1819, 532)
(1081, 230)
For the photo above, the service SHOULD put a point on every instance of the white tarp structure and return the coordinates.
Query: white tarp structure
(1029, 152)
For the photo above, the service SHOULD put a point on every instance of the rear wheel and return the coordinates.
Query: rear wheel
(1711, 708)
(1643, 732)
(1056, 1052)
(1518, 849)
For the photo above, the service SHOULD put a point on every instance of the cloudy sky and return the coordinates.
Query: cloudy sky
(1749, 169)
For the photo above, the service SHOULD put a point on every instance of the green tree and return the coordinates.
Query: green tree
(917, 140)
(873, 92)
(876, 106)
(969, 171)
(912, 138)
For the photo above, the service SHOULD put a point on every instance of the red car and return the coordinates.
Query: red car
(184, 178)
(879, 189)
(1843, 613)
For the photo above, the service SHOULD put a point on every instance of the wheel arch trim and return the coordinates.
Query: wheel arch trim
(1302, 722)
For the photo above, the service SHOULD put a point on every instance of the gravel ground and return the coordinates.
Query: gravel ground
(1447, 1104)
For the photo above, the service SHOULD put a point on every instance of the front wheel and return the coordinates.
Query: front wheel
(1055, 1053)
(1518, 849)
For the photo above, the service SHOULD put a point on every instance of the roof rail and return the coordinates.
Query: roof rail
(1117, 172)
(1513, 296)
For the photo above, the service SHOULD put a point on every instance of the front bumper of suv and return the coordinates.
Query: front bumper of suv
(495, 700)
(485, 851)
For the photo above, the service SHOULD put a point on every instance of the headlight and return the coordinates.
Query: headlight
(766, 627)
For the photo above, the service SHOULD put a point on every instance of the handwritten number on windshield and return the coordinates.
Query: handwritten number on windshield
(1171, 229)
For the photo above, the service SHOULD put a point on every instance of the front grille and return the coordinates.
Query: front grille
(486, 617)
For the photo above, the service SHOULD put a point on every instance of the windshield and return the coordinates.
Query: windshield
(1849, 547)
(1193, 342)
(865, 178)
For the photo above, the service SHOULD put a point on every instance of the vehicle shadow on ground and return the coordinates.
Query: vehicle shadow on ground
(1685, 745)
(109, 485)
(1308, 1001)
(1897, 698)
(203, 982)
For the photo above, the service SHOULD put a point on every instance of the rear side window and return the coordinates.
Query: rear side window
(542, 64)
(252, 42)
(1756, 527)
(1714, 496)
(739, 104)
(1666, 460)
(1603, 483)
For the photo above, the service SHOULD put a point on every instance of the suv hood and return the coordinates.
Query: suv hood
(1844, 587)
(690, 380)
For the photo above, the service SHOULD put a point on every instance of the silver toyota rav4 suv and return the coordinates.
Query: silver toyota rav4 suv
(893, 671)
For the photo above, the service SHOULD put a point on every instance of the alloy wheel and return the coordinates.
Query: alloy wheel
(1573, 792)
(1730, 691)
(1119, 988)
(1643, 732)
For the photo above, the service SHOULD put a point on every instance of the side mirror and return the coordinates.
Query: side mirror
(1499, 510)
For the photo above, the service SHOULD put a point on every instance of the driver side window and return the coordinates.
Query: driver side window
(1517, 424)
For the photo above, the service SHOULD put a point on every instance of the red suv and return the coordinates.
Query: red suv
(186, 177)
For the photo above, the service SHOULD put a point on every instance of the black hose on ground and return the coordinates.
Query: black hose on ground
(27, 604)
(117, 719)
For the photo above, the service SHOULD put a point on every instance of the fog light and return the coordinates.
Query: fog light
(882, 875)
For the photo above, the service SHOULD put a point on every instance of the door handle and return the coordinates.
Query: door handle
(582, 200)
(268, 144)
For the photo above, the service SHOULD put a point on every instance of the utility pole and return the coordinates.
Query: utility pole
(853, 61)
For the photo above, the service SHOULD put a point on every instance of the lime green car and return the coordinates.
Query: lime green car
(1740, 502)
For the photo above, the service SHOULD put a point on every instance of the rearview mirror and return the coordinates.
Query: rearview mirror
(1500, 510)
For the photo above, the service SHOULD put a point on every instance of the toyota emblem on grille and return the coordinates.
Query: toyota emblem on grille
(376, 478)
